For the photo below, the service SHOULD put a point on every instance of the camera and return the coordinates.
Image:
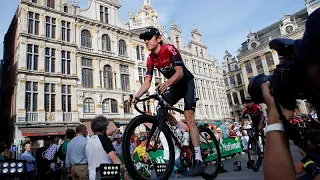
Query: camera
(289, 80)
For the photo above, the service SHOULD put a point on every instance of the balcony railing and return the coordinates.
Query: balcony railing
(86, 49)
(109, 53)
(67, 117)
(31, 117)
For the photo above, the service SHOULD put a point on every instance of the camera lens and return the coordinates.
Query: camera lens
(254, 87)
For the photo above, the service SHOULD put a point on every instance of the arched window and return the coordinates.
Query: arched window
(107, 75)
(122, 47)
(127, 107)
(110, 106)
(88, 105)
(65, 9)
(86, 38)
(106, 45)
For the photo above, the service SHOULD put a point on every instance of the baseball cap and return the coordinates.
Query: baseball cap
(118, 136)
(149, 32)
(309, 45)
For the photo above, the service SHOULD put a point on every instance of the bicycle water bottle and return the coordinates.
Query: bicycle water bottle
(185, 139)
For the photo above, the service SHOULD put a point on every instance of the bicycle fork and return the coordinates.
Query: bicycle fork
(160, 122)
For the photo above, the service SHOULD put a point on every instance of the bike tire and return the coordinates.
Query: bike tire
(253, 141)
(135, 122)
(213, 137)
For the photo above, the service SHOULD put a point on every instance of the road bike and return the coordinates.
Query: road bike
(157, 128)
(255, 148)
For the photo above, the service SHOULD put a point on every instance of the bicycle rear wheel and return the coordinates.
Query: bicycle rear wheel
(130, 165)
(254, 154)
(210, 153)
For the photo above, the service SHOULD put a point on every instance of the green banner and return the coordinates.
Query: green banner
(229, 146)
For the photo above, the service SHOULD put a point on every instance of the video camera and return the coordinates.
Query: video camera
(289, 80)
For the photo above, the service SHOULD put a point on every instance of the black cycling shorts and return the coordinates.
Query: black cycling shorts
(181, 90)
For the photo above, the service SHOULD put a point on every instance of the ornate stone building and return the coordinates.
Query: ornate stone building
(256, 57)
(235, 86)
(63, 65)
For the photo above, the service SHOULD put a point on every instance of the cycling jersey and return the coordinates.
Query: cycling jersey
(141, 151)
(167, 58)
(255, 113)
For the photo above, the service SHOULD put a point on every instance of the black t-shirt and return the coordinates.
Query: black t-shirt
(106, 143)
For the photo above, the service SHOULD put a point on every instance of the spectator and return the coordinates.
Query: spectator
(117, 144)
(76, 160)
(41, 162)
(27, 156)
(224, 129)
(219, 135)
(99, 149)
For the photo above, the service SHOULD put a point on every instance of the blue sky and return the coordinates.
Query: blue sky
(224, 24)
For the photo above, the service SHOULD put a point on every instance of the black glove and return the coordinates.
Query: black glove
(311, 167)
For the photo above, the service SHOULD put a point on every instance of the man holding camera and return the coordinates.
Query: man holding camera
(300, 64)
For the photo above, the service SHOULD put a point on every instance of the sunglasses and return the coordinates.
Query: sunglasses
(147, 38)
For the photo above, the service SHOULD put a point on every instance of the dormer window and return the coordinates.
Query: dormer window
(253, 45)
(289, 29)
(65, 9)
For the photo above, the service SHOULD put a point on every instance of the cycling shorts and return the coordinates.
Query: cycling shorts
(181, 90)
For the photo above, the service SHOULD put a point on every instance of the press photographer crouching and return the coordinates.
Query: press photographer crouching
(296, 77)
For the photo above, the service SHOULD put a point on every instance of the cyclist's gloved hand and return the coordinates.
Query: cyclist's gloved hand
(163, 87)
(134, 99)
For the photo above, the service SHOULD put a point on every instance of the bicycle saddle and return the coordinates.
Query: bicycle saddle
(284, 47)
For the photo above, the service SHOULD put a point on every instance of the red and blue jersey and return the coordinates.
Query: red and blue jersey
(255, 112)
(165, 61)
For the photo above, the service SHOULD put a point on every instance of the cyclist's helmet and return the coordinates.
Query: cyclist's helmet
(142, 138)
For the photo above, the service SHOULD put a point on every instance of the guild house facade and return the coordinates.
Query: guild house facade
(64, 65)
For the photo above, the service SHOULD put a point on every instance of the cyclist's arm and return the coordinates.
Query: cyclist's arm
(244, 113)
(147, 81)
(177, 64)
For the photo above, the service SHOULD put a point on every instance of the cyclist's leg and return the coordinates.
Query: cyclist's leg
(189, 114)
(171, 97)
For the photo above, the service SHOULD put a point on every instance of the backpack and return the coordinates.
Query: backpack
(60, 154)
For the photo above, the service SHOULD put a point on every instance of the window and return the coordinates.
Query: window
(194, 66)
(197, 51)
(107, 103)
(205, 70)
(142, 73)
(138, 53)
(258, 63)
(207, 109)
(88, 105)
(239, 79)
(232, 81)
(107, 75)
(209, 90)
(125, 82)
(65, 9)
(201, 52)
(50, 3)
(86, 39)
(212, 109)
(106, 44)
(66, 98)
(65, 31)
(66, 62)
(269, 58)
(229, 99)
(50, 97)
(104, 14)
(203, 90)
(50, 60)
(235, 98)
(122, 48)
(87, 73)
(34, 1)
(226, 82)
(248, 67)
(31, 101)
(50, 27)
(32, 57)
(200, 68)
(142, 53)
(33, 23)
(157, 75)
(242, 95)
(127, 107)
(177, 41)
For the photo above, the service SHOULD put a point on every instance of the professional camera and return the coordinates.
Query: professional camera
(289, 80)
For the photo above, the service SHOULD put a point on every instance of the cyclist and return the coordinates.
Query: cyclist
(255, 112)
(167, 59)
(141, 150)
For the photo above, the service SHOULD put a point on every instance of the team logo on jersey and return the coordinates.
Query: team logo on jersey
(172, 50)
(166, 69)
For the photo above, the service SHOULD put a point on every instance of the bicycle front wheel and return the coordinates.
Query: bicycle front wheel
(149, 170)
(254, 154)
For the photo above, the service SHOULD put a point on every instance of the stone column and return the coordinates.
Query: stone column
(232, 99)
(41, 103)
(117, 77)
(42, 25)
(244, 75)
(58, 29)
(79, 70)
(20, 100)
(239, 97)
(96, 73)
(41, 63)
(59, 111)
(264, 64)
(22, 62)
(24, 20)
(74, 64)
(275, 57)
(253, 66)
(58, 63)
